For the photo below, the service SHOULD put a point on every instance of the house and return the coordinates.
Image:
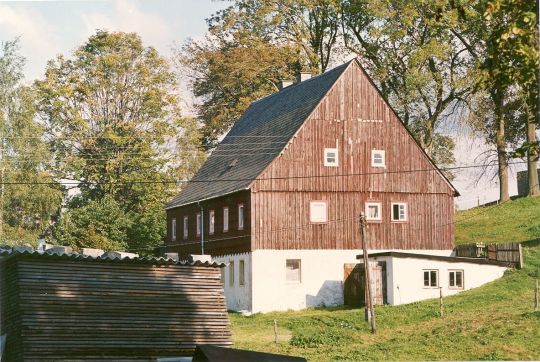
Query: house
(279, 199)
(67, 306)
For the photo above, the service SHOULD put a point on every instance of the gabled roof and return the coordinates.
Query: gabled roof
(256, 139)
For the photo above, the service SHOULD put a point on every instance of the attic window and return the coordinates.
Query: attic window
(331, 157)
(378, 158)
(233, 162)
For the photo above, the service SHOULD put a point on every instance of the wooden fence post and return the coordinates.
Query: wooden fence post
(275, 331)
(441, 305)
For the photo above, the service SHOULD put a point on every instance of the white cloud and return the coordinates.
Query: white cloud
(36, 39)
(126, 16)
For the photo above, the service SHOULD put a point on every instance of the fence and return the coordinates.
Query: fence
(505, 252)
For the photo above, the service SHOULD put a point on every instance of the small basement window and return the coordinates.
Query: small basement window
(399, 211)
(378, 158)
(455, 279)
(318, 212)
(293, 271)
(211, 221)
(431, 278)
(331, 157)
(173, 229)
(373, 211)
(185, 227)
(241, 273)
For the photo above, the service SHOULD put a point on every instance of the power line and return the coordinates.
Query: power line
(76, 182)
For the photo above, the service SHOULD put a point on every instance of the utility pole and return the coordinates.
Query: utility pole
(370, 309)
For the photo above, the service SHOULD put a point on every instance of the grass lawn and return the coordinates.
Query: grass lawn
(495, 321)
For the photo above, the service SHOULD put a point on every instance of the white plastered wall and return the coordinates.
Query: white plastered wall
(238, 297)
(322, 273)
(406, 283)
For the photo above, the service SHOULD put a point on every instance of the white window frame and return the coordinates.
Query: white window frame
(336, 158)
(405, 212)
(429, 271)
(185, 227)
(378, 152)
(241, 216)
(225, 219)
(199, 223)
(312, 217)
(368, 217)
(231, 273)
(241, 273)
(455, 286)
(211, 222)
(299, 279)
(173, 229)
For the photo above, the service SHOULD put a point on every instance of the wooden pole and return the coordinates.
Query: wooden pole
(367, 279)
(441, 305)
(275, 331)
(536, 296)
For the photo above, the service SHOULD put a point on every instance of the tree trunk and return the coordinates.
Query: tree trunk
(500, 143)
(532, 164)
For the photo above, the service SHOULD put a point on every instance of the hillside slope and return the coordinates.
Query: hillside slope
(493, 322)
(514, 221)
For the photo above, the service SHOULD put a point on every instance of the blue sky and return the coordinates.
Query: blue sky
(48, 28)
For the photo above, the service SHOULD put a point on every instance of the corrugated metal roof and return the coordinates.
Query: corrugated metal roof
(7, 251)
(256, 139)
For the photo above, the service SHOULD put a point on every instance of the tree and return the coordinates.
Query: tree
(408, 48)
(29, 195)
(112, 114)
(251, 47)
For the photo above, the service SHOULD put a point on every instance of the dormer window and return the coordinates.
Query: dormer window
(331, 157)
(378, 158)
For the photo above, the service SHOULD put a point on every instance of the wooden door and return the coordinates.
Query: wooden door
(353, 286)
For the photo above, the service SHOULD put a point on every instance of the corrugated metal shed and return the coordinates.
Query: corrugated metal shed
(57, 306)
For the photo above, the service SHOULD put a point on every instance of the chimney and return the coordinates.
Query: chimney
(286, 82)
(304, 76)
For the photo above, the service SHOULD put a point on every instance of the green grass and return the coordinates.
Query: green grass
(493, 322)
(514, 221)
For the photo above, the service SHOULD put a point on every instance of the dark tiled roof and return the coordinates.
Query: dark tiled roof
(256, 139)
(7, 251)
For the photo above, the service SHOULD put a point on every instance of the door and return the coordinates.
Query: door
(354, 284)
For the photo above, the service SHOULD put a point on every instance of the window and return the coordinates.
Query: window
(173, 229)
(318, 212)
(225, 219)
(373, 211)
(223, 276)
(377, 158)
(231, 273)
(241, 217)
(331, 157)
(199, 224)
(455, 279)
(431, 278)
(399, 212)
(293, 272)
(211, 222)
(241, 271)
(185, 227)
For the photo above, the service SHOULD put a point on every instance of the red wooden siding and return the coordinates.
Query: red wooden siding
(354, 118)
(219, 243)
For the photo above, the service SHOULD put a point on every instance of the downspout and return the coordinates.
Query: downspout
(202, 227)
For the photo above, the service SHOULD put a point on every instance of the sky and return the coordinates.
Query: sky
(48, 28)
